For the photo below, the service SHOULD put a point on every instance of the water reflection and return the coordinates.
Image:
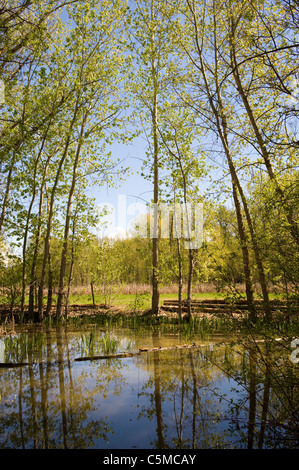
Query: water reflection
(219, 396)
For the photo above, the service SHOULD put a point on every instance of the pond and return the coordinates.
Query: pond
(222, 393)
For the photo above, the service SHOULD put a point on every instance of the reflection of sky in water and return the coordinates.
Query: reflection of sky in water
(125, 411)
(121, 406)
(172, 398)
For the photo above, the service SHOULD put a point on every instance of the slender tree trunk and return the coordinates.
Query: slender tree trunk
(50, 284)
(189, 284)
(29, 215)
(155, 278)
(7, 189)
(180, 278)
(155, 242)
(221, 125)
(33, 280)
(190, 251)
(177, 235)
(92, 294)
(245, 255)
(61, 292)
(71, 268)
(51, 212)
(25, 241)
(69, 288)
(259, 263)
(263, 148)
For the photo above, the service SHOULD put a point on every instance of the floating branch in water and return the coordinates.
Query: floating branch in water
(108, 356)
(7, 365)
(181, 346)
(142, 349)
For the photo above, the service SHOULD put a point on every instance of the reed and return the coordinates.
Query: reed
(109, 344)
(87, 344)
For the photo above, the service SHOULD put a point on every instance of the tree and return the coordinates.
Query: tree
(180, 138)
(243, 17)
(27, 32)
(209, 106)
(151, 58)
(94, 31)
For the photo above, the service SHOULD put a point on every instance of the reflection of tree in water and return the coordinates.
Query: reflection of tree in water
(177, 393)
(265, 414)
(48, 407)
(233, 395)
(226, 397)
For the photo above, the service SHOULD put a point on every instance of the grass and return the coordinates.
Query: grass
(127, 299)
(91, 345)
(109, 344)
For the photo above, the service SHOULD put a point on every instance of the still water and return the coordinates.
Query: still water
(223, 394)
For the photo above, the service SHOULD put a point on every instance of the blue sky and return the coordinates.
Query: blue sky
(128, 198)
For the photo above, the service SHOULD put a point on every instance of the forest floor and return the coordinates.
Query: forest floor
(208, 309)
(129, 304)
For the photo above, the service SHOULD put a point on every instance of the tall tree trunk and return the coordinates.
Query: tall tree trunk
(7, 189)
(245, 255)
(256, 250)
(155, 273)
(180, 278)
(50, 284)
(51, 211)
(221, 126)
(33, 280)
(189, 284)
(61, 293)
(71, 272)
(177, 235)
(38, 158)
(292, 225)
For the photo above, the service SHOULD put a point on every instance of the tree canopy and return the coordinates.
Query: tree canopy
(213, 89)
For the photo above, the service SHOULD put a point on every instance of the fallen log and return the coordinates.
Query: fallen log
(181, 346)
(141, 349)
(107, 356)
(8, 365)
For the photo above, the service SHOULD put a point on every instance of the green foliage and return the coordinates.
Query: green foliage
(210, 85)
(10, 280)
